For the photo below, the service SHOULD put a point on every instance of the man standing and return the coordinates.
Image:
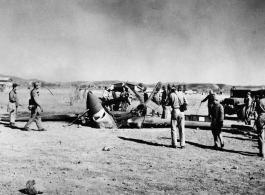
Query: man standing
(175, 100)
(210, 99)
(13, 105)
(217, 113)
(35, 108)
(182, 96)
(260, 123)
(164, 99)
(125, 95)
(248, 102)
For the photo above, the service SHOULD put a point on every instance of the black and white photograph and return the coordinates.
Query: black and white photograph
(150, 97)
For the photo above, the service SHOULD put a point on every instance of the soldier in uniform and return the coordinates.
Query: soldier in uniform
(164, 99)
(217, 113)
(260, 123)
(210, 99)
(13, 105)
(248, 102)
(35, 108)
(177, 117)
(125, 95)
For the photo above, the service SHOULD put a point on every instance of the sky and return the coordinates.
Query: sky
(191, 41)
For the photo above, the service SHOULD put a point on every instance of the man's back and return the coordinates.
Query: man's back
(174, 99)
(217, 112)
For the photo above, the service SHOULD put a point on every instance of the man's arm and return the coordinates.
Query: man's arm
(185, 101)
(222, 115)
(207, 97)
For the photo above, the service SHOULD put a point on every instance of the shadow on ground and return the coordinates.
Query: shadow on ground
(144, 142)
(222, 149)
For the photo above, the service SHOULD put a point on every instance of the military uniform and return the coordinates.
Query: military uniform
(248, 102)
(217, 113)
(13, 105)
(260, 123)
(125, 100)
(35, 108)
(166, 109)
(177, 118)
(210, 99)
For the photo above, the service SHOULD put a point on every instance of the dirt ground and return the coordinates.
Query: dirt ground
(82, 160)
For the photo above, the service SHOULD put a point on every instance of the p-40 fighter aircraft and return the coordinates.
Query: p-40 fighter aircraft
(101, 117)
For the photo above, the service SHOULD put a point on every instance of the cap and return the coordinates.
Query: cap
(249, 93)
(174, 86)
(15, 85)
(180, 87)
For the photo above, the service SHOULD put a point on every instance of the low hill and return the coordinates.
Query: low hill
(199, 87)
(27, 82)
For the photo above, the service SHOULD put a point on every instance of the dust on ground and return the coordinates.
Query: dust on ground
(72, 160)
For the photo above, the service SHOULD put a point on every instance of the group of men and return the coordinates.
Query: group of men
(174, 99)
(171, 98)
(34, 106)
(254, 106)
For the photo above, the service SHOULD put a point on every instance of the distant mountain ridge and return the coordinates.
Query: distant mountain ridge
(25, 82)
(189, 86)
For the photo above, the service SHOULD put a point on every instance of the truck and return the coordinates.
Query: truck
(236, 105)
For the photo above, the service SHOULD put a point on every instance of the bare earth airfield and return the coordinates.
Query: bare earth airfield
(83, 160)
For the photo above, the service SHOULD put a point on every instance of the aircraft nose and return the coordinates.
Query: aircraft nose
(93, 103)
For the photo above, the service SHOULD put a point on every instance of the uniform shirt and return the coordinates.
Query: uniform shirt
(260, 106)
(182, 98)
(105, 94)
(13, 97)
(164, 98)
(217, 112)
(174, 99)
(210, 99)
(34, 94)
(248, 101)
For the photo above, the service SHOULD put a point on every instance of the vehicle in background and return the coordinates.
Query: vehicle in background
(235, 104)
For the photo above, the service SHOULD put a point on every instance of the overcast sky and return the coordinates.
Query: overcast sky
(202, 41)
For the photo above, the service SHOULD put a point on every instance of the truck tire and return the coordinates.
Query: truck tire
(242, 113)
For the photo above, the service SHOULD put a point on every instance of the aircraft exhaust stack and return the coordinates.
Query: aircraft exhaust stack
(98, 114)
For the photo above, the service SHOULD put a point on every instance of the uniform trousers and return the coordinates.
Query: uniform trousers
(209, 109)
(12, 109)
(35, 117)
(177, 121)
(247, 115)
(217, 134)
(166, 112)
(260, 130)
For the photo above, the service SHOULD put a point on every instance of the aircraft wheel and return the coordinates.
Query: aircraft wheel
(242, 113)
